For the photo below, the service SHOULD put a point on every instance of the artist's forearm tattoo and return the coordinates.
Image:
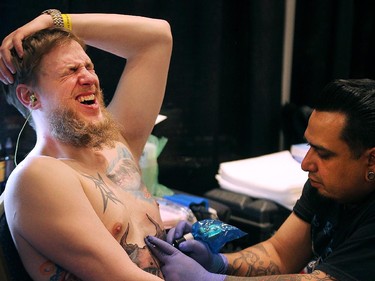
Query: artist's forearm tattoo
(251, 263)
(105, 191)
(315, 276)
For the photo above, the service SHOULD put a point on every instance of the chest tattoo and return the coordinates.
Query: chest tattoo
(123, 172)
(106, 193)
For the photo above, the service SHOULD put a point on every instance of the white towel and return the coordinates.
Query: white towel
(277, 176)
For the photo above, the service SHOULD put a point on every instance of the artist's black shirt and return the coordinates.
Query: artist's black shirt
(343, 237)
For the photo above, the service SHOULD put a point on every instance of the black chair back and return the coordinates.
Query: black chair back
(11, 267)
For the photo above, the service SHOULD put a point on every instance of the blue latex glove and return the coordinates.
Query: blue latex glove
(199, 251)
(181, 228)
(176, 266)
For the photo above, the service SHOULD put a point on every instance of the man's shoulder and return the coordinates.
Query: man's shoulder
(36, 171)
(38, 164)
(35, 159)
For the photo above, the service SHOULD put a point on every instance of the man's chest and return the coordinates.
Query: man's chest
(115, 190)
(126, 202)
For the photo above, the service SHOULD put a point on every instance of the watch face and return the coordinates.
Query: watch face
(50, 11)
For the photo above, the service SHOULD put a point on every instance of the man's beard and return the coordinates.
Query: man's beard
(69, 128)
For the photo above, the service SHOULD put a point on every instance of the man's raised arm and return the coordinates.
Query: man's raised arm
(146, 44)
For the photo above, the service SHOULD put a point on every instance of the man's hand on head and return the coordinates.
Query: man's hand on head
(14, 40)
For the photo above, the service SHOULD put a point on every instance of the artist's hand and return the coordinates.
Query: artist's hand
(177, 232)
(199, 251)
(176, 266)
(14, 40)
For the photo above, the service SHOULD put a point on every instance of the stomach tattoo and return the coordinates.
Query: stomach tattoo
(142, 256)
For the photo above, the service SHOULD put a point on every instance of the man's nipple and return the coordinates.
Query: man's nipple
(117, 229)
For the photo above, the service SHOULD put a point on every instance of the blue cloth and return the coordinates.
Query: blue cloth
(188, 200)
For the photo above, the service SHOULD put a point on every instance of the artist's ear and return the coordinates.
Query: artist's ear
(371, 156)
(26, 96)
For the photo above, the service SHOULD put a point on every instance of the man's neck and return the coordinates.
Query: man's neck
(59, 150)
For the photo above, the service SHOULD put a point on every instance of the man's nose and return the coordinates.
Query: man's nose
(86, 77)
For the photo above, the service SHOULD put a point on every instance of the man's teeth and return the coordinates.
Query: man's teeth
(86, 98)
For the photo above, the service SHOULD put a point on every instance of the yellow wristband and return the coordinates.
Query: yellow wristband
(67, 21)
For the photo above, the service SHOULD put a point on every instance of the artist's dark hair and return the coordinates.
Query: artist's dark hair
(355, 98)
(35, 47)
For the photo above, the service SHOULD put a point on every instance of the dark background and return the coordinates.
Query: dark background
(223, 98)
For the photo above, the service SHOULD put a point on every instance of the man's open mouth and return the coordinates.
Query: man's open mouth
(87, 100)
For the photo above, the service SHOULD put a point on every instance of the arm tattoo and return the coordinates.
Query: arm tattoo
(252, 262)
(314, 276)
(56, 272)
(107, 194)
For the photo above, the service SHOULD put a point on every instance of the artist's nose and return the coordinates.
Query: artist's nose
(308, 163)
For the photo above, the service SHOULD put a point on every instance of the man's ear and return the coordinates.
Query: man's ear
(25, 95)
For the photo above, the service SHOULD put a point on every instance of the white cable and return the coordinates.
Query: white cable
(18, 139)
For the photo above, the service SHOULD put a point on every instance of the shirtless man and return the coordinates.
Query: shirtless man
(76, 206)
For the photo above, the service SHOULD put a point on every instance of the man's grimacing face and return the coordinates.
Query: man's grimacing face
(71, 99)
(332, 168)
